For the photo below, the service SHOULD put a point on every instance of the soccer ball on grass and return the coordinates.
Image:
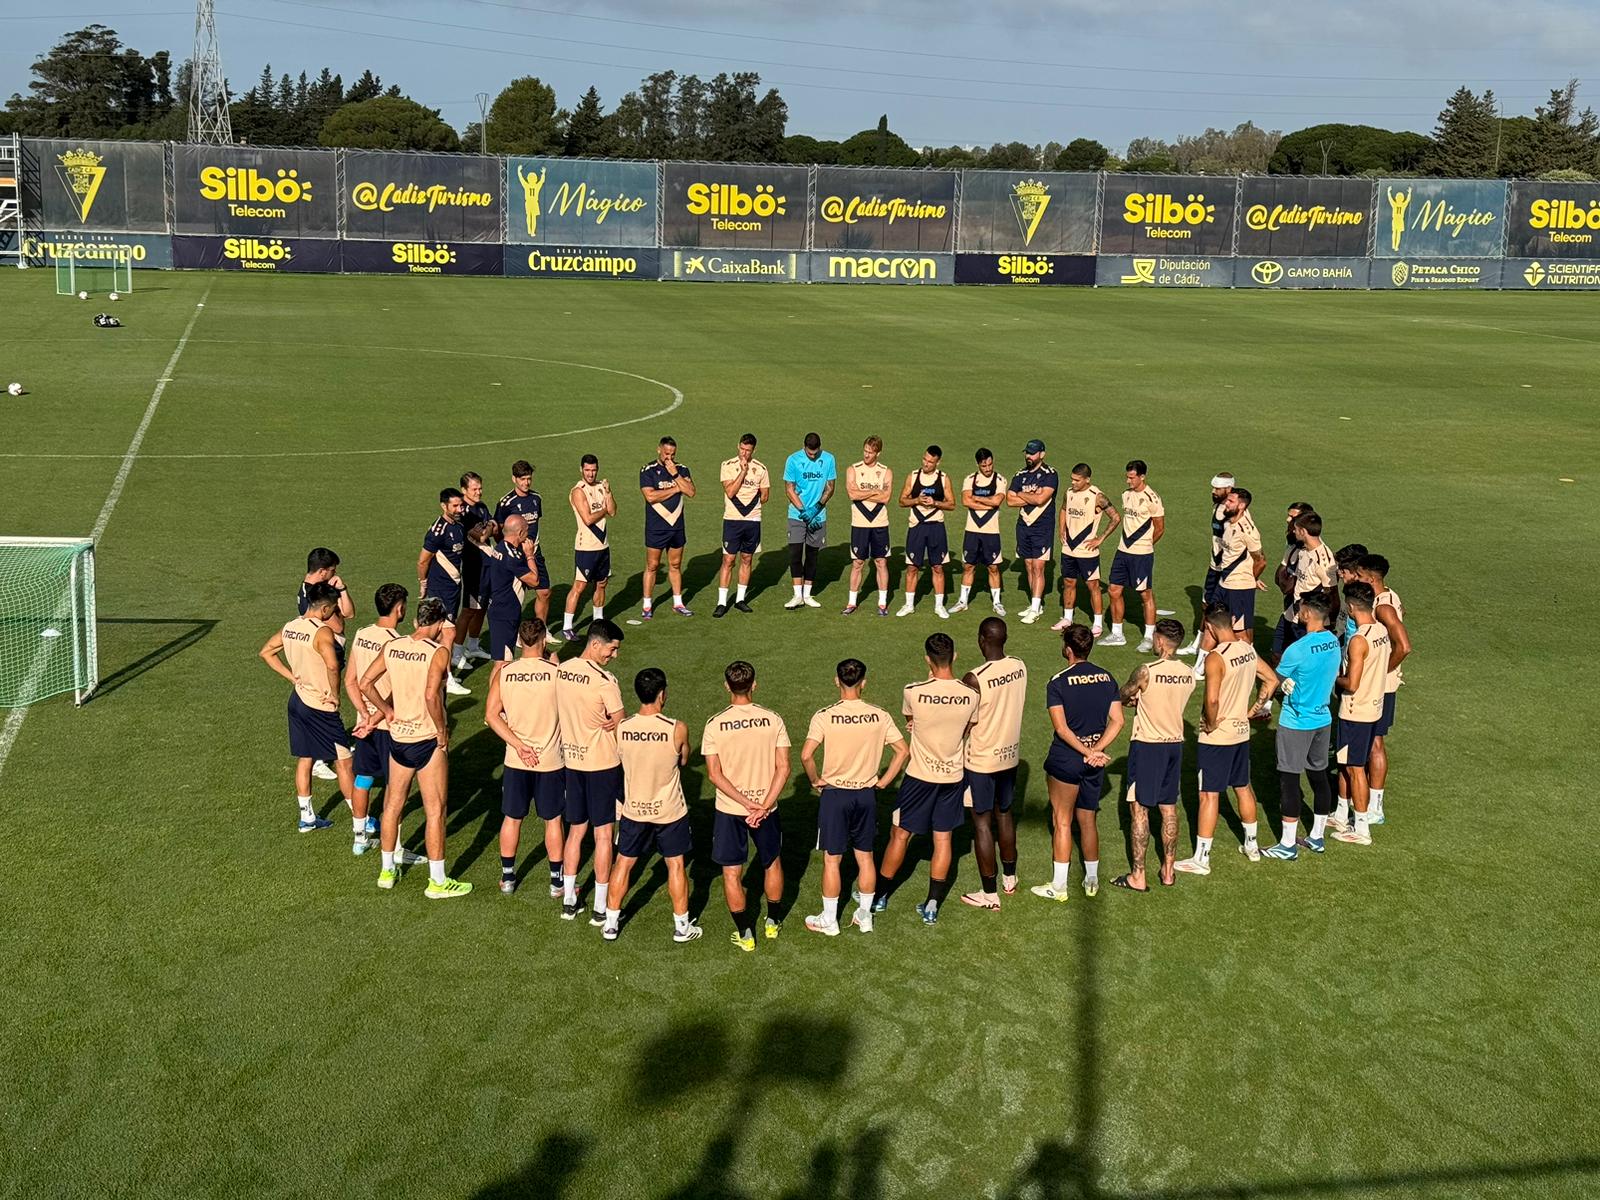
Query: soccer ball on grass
(15, 389)
(113, 296)
(83, 295)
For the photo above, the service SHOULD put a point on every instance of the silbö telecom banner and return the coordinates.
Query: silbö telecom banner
(1191, 216)
(261, 193)
(734, 206)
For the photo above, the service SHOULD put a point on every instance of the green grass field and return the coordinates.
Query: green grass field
(198, 1002)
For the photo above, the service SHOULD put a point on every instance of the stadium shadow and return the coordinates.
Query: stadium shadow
(546, 1176)
(192, 630)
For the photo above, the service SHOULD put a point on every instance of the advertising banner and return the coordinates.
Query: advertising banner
(1287, 273)
(733, 266)
(580, 202)
(1123, 270)
(96, 184)
(256, 254)
(1549, 274)
(422, 258)
(1438, 273)
(1553, 220)
(882, 208)
(1440, 218)
(421, 197)
(151, 250)
(1029, 269)
(583, 262)
(1167, 214)
(239, 189)
(1325, 218)
(830, 266)
(734, 205)
(1027, 212)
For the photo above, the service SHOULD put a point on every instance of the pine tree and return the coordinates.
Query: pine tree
(1464, 139)
(587, 128)
(1562, 138)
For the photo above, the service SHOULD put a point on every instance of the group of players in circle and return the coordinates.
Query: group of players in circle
(577, 760)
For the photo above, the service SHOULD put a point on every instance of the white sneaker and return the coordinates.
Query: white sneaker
(1200, 670)
(905, 610)
(1114, 639)
(1145, 646)
(555, 638)
(861, 920)
(323, 771)
(821, 924)
(811, 602)
(478, 654)
(942, 613)
(454, 686)
(999, 609)
(797, 602)
(960, 606)
(1030, 615)
(1338, 824)
(1191, 648)
(1192, 866)
(1252, 851)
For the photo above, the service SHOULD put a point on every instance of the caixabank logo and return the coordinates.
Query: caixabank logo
(738, 266)
(251, 193)
(257, 254)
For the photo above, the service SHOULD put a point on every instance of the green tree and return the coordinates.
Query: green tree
(948, 157)
(588, 131)
(90, 85)
(799, 148)
(1562, 138)
(880, 147)
(524, 119)
(368, 87)
(1566, 175)
(1151, 164)
(1012, 156)
(1082, 154)
(1464, 139)
(388, 123)
(1335, 149)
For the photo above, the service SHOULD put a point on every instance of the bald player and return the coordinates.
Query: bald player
(1157, 692)
(1085, 707)
(524, 712)
(1238, 574)
(939, 710)
(655, 816)
(869, 484)
(416, 666)
(1033, 493)
(852, 736)
(589, 704)
(1373, 569)
(983, 496)
(511, 576)
(1232, 671)
(746, 748)
(439, 568)
(524, 502)
(481, 530)
(1360, 687)
(371, 758)
(1144, 521)
(1221, 485)
(303, 653)
(665, 484)
(746, 486)
(928, 495)
(1083, 509)
(593, 505)
(993, 751)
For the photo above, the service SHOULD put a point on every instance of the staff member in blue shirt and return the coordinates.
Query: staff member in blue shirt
(809, 477)
(1307, 670)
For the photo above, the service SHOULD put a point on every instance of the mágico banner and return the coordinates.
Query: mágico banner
(880, 208)
(263, 193)
(734, 206)
(1440, 218)
(1187, 215)
(580, 202)
(421, 197)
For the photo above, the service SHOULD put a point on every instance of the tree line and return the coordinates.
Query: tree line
(90, 85)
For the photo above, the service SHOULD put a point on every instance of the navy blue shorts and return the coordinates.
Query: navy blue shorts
(992, 791)
(1355, 742)
(731, 838)
(503, 642)
(635, 839)
(543, 572)
(1241, 604)
(449, 596)
(1208, 593)
(543, 791)
(981, 549)
(592, 566)
(1153, 769)
(847, 818)
(741, 537)
(1137, 571)
(929, 807)
(868, 543)
(1033, 541)
(1223, 767)
(1066, 765)
(415, 755)
(670, 537)
(1386, 722)
(927, 545)
(1080, 568)
(1286, 634)
(592, 795)
(314, 733)
(372, 754)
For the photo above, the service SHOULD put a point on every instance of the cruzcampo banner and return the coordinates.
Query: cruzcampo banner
(734, 205)
(95, 184)
(1289, 273)
(1189, 215)
(318, 256)
(882, 208)
(580, 202)
(150, 250)
(1026, 269)
(583, 262)
(1447, 274)
(734, 266)
(1039, 212)
(855, 266)
(1162, 271)
(1440, 218)
(243, 190)
(421, 197)
(1288, 215)
(1549, 274)
(422, 258)
(1553, 220)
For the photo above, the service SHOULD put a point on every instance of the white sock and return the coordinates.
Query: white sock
(600, 890)
(1376, 803)
(830, 909)
(994, 594)
(1116, 629)
(599, 612)
(1202, 849)
(911, 599)
(1361, 822)
(938, 602)
(883, 598)
(1097, 620)
(388, 859)
(722, 597)
(1319, 825)
(866, 905)
(805, 590)
(1091, 871)
(1249, 833)
(359, 824)
(458, 652)
(569, 889)
(680, 921)
(1066, 614)
(966, 592)
(613, 917)
(1149, 632)
(743, 588)
(1037, 604)
(436, 870)
(647, 604)
(1063, 871)
(1290, 825)
(799, 591)
(677, 599)
(854, 596)
(307, 812)
(566, 622)
(1341, 811)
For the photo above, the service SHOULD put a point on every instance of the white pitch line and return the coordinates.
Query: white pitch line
(14, 719)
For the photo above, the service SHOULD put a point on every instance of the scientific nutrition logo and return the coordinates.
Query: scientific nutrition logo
(81, 174)
(1029, 199)
(1534, 274)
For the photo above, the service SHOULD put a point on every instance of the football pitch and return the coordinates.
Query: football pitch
(199, 1002)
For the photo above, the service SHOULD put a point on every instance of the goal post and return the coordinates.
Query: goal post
(47, 620)
(96, 275)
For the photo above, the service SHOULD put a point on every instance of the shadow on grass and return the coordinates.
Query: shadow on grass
(188, 631)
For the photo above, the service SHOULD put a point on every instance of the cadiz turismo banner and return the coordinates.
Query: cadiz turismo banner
(1187, 215)
(1439, 218)
(1163, 270)
(421, 197)
(1039, 212)
(860, 266)
(153, 250)
(96, 184)
(1289, 273)
(1553, 220)
(734, 266)
(277, 255)
(1321, 218)
(583, 262)
(1026, 269)
(423, 258)
(882, 208)
(238, 189)
(734, 205)
(580, 202)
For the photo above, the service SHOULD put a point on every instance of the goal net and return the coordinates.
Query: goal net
(98, 276)
(47, 620)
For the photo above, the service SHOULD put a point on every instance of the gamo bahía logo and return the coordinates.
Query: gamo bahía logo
(1267, 272)
(1029, 199)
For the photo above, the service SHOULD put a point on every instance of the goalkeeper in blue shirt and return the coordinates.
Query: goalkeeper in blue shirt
(809, 476)
(1307, 671)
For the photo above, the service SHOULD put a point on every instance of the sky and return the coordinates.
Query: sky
(945, 73)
